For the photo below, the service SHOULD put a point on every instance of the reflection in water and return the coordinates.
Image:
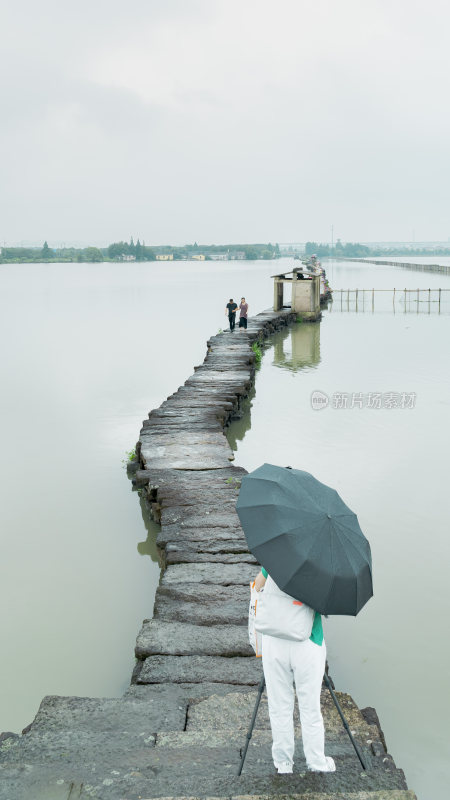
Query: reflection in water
(294, 349)
(239, 427)
(149, 548)
(297, 347)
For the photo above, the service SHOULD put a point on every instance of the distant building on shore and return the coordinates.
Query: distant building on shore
(164, 257)
(198, 257)
(125, 257)
(219, 256)
(237, 255)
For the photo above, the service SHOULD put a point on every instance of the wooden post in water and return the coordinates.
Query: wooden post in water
(439, 307)
(348, 299)
(373, 293)
(356, 300)
(393, 300)
(417, 300)
(405, 302)
(429, 300)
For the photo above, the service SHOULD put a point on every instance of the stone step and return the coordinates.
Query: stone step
(200, 523)
(184, 555)
(174, 403)
(182, 424)
(182, 438)
(167, 412)
(215, 765)
(159, 766)
(234, 712)
(259, 747)
(220, 548)
(242, 377)
(185, 693)
(243, 363)
(336, 740)
(115, 748)
(208, 393)
(383, 794)
(222, 515)
(244, 360)
(202, 604)
(183, 533)
(184, 488)
(41, 783)
(162, 708)
(158, 637)
(157, 451)
(176, 416)
(199, 669)
(228, 382)
(221, 574)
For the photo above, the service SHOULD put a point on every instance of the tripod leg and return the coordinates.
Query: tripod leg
(344, 721)
(252, 724)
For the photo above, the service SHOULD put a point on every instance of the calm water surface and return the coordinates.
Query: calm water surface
(87, 350)
(391, 466)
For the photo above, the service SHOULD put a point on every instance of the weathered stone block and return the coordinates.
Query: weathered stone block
(200, 669)
(159, 637)
(223, 574)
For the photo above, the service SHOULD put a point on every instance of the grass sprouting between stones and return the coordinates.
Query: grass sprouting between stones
(130, 456)
(258, 353)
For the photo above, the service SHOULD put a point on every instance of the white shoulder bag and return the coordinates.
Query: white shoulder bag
(253, 635)
(279, 614)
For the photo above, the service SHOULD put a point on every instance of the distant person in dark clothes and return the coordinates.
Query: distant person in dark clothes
(243, 308)
(231, 311)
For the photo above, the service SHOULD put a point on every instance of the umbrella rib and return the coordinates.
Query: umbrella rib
(348, 554)
(349, 561)
(356, 544)
(306, 554)
(353, 530)
(305, 557)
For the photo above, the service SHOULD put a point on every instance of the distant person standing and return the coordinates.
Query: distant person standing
(243, 308)
(231, 311)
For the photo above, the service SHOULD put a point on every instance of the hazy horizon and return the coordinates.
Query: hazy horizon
(222, 121)
(56, 245)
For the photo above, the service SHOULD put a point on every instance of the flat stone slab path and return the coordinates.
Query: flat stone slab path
(179, 730)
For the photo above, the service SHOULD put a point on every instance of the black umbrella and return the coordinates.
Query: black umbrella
(308, 540)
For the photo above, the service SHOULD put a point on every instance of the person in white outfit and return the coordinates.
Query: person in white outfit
(288, 662)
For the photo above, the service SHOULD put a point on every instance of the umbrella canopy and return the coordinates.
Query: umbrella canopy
(307, 538)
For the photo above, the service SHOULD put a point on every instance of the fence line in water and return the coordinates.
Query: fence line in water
(442, 268)
(412, 297)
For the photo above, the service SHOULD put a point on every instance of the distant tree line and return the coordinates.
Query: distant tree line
(135, 251)
(17, 255)
(138, 251)
(349, 249)
(141, 252)
(356, 250)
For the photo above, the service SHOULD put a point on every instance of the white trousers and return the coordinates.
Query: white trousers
(285, 663)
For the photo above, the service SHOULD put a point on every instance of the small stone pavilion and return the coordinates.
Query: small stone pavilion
(305, 297)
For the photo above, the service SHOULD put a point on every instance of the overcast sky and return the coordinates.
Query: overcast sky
(224, 120)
